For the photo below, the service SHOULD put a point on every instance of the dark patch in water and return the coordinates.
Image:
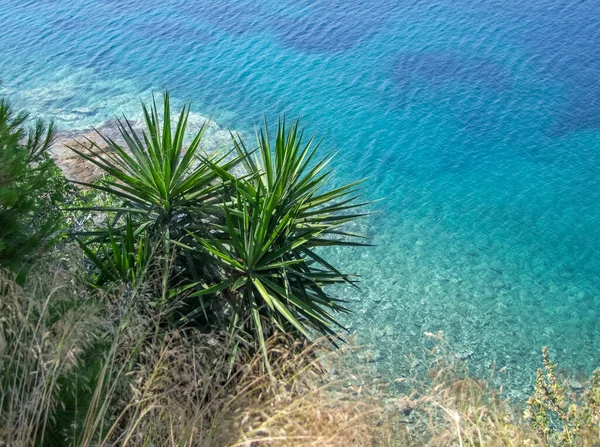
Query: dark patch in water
(581, 77)
(580, 112)
(567, 45)
(563, 39)
(235, 17)
(441, 68)
(332, 26)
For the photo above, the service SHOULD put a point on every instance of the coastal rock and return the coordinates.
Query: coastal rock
(76, 168)
(575, 385)
(73, 166)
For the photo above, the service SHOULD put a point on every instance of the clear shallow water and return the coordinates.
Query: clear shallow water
(478, 121)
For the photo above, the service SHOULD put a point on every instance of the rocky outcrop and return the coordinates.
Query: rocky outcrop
(73, 166)
(78, 169)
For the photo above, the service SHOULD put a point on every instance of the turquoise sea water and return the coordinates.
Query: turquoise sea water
(478, 121)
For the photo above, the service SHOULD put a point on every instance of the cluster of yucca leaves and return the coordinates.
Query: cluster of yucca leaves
(236, 249)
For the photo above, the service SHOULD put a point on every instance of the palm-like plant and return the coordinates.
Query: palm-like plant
(158, 180)
(154, 173)
(273, 226)
(252, 242)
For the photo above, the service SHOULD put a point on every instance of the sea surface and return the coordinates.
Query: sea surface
(476, 121)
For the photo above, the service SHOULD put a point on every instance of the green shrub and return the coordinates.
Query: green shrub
(562, 415)
(157, 183)
(281, 215)
(244, 248)
(31, 188)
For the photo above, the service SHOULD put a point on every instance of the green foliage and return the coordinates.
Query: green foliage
(125, 257)
(281, 214)
(561, 416)
(31, 188)
(244, 248)
(156, 178)
(162, 187)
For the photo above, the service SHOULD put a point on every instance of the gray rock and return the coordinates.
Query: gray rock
(465, 355)
(575, 385)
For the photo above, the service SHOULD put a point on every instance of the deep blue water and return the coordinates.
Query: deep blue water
(478, 122)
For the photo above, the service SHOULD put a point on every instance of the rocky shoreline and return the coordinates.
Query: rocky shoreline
(78, 169)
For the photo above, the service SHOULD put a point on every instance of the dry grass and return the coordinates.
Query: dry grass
(455, 409)
(152, 386)
(139, 384)
(46, 327)
(181, 399)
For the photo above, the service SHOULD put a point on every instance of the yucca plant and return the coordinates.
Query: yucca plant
(162, 184)
(154, 173)
(274, 276)
(258, 236)
(125, 257)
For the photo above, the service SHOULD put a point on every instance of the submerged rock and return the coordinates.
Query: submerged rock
(465, 355)
(575, 385)
(404, 405)
(370, 356)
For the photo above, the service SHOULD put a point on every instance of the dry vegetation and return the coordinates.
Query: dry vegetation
(90, 368)
(78, 372)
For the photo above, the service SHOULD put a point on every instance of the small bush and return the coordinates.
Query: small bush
(269, 246)
(562, 415)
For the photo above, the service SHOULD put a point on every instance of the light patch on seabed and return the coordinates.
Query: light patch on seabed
(76, 99)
